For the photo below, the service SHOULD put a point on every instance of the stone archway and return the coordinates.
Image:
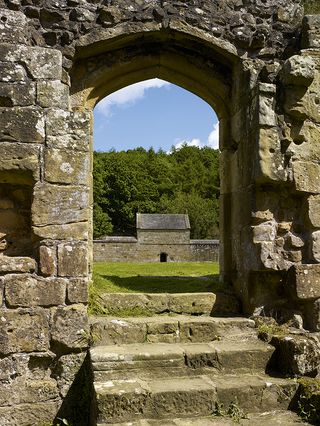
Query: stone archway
(256, 63)
(176, 57)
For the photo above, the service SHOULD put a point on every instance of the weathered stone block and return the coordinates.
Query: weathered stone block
(311, 40)
(303, 281)
(264, 232)
(13, 27)
(47, 260)
(23, 330)
(294, 256)
(77, 290)
(22, 125)
(294, 240)
(20, 157)
(67, 167)
(67, 204)
(17, 264)
(298, 70)
(73, 259)
(53, 94)
(68, 130)
(13, 366)
(316, 246)
(284, 227)
(113, 301)
(262, 216)
(270, 255)
(314, 210)
(192, 303)
(27, 290)
(40, 365)
(312, 315)
(20, 390)
(169, 327)
(157, 303)
(118, 331)
(306, 176)
(29, 414)
(309, 133)
(41, 63)
(270, 165)
(17, 94)
(267, 114)
(297, 355)
(70, 327)
(311, 22)
(198, 331)
(302, 104)
(67, 369)
(11, 73)
(73, 231)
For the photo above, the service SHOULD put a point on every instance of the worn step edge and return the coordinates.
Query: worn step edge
(126, 400)
(224, 355)
(269, 418)
(188, 303)
(169, 329)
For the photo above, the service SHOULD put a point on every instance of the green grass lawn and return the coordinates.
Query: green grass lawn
(156, 277)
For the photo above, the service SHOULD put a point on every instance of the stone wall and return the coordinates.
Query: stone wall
(44, 213)
(148, 236)
(128, 249)
(256, 63)
(205, 250)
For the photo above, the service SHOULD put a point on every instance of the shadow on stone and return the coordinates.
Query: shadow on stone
(76, 405)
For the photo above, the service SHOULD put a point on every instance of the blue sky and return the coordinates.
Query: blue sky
(153, 113)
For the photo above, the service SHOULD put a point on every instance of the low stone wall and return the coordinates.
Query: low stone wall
(204, 250)
(115, 249)
(128, 249)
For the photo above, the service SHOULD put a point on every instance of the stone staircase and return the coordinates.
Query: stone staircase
(182, 369)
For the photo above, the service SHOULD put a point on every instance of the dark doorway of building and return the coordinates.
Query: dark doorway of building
(163, 257)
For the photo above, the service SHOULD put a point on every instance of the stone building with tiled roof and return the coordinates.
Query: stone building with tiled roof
(160, 238)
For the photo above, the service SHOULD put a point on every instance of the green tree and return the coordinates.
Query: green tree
(156, 182)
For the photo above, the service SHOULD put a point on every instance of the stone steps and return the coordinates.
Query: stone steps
(127, 400)
(176, 369)
(150, 360)
(169, 329)
(269, 418)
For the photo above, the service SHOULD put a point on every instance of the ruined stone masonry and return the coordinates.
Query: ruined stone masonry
(256, 62)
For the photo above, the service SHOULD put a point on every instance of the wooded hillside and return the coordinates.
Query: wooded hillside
(127, 182)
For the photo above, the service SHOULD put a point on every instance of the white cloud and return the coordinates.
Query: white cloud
(192, 142)
(129, 95)
(212, 142)
(213, 138)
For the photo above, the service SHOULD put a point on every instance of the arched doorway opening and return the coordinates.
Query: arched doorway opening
(187, 61)
(156, 182)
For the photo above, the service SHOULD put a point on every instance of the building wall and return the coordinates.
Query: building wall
(147, 236)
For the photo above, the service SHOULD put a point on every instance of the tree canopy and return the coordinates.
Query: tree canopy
(186, 180)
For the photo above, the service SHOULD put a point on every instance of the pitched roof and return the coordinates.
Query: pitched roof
(162, 221)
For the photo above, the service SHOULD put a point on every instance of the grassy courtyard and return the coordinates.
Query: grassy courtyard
(156, 277)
